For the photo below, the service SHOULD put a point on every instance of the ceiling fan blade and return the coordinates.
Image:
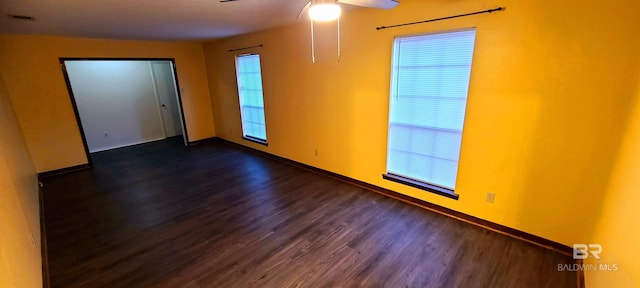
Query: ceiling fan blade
(304, 10)
(380, 4)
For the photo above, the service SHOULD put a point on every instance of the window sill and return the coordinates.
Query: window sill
(422, 185)
(255, 140)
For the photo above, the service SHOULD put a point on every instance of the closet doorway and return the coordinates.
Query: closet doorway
(124, 102)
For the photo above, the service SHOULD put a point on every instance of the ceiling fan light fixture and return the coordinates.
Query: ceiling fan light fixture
(324, 12)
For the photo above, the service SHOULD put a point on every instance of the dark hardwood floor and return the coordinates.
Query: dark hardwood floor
(165, 215)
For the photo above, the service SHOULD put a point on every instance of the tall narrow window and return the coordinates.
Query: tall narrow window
(429, 85)
(251, 98)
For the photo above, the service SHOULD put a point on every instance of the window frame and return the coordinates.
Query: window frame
(242, 116)
(406, 180)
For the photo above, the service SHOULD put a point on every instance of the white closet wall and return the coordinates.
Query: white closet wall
(116, 102)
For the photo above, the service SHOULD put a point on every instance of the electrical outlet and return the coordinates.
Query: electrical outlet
(316, 152)
(491, 197)
(106, 134)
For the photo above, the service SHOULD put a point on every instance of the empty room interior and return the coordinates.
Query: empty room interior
(340, 143)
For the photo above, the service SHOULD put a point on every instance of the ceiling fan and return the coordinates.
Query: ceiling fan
(330, 10)
(381, 4)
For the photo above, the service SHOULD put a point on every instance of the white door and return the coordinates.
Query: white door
(167, 97)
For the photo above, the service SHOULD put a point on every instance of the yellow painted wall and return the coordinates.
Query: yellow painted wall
(550, 91)
(41, 101)
(618, 226)
(20, 261)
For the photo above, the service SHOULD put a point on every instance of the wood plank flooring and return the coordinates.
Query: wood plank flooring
(164, 215)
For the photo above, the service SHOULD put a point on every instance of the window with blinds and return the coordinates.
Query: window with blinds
(429, 85)
(251, 98)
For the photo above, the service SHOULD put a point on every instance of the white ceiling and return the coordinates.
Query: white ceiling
(147, 19)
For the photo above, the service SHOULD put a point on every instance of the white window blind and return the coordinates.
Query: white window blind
(429, 85)
(251, 98)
